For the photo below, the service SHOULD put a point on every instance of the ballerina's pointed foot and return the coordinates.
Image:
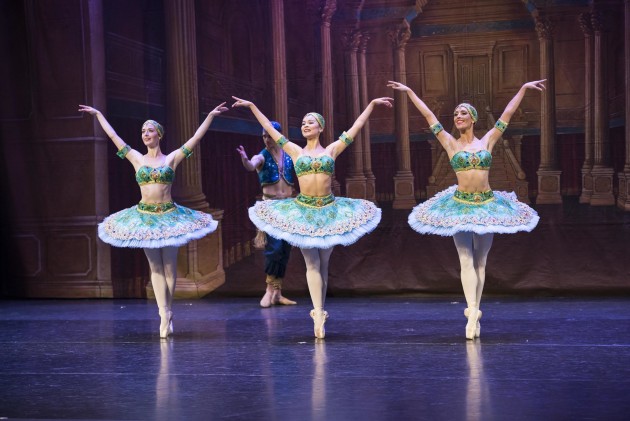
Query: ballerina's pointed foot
(166, 323)
(319, 318)
(473, 327)
(478, 329)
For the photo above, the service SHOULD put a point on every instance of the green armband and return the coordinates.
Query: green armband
(122, 152)
(282, 141)
(346, 139)
(500, 125)
(187, 152)
(436, 128)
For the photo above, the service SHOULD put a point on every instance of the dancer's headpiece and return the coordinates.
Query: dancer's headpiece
(158, 127)
(319, 119)
(471, 110)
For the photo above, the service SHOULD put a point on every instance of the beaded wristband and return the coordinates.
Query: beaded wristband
(282, 141)
(436, 128)
(346, 139)
(187, 152)
(500, 125)
(122, 152)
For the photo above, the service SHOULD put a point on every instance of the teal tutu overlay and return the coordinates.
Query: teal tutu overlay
(141, 229)
(444, 214)
(308, 222)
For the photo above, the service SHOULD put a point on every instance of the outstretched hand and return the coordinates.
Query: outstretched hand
(386, 101)
(536, 84)
(241, 102)
(398, 86)
(241, 151)
(219, 109)
(88, 109)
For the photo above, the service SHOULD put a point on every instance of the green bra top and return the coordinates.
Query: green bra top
(464, 160)
(314, 165)
(157, 175)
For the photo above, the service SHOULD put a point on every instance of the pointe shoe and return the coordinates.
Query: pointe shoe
(279, 299)
(473, 321)
(319, 318)
(166, 323)
(267, 300)
(478, 328)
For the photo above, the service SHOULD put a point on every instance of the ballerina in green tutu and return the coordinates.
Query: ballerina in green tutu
(470, 211)
(315, 221)
(156, 224)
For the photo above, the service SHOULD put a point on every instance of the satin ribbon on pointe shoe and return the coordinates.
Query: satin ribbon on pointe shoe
(166, 323)
(478, 329)
(319, 318)
(473, 321)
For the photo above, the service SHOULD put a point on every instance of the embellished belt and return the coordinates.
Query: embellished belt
(156, 207)
(478, 198)
(315, 201)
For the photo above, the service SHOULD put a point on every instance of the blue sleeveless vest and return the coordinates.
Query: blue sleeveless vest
(269, 173)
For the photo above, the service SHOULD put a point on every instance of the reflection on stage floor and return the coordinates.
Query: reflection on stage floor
(384, 358)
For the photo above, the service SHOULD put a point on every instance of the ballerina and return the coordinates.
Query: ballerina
(315, 221)
(470, 211)
(156, 224)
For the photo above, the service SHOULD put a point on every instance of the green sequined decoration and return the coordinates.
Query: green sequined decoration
(122, 152)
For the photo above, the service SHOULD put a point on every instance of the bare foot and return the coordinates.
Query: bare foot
(279, 299)
(267, 299)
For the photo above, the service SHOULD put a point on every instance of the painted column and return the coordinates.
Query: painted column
(57, 192)
(587, 166)
(548, 173)
(280, 109)
(370, 179)
(602, 172)
(200, 263)
(355, 181)
(403, 179)
(623, 201)
(97, 92)
(327, 11)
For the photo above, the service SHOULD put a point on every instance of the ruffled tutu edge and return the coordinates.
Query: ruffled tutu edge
(174, 241)
(323, 242)
(422, 228)
(477, 229)
(156, 244)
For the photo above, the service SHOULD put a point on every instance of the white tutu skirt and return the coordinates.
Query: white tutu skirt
(316, 222)
(496, 212)
(155, 226)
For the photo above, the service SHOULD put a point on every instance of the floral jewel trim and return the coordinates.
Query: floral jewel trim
(477, 198)
(346, 139)
(436, 128)
(282, 141)
(500, 125)
(315, 201)
(157, 175)
(122, 152)
(305, 165)
(186, 151)
(156, 207)
(464, 160)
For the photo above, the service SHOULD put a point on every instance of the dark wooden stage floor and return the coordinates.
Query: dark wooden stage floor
(384, 358)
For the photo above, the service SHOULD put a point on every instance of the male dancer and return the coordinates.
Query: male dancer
(275, 173)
